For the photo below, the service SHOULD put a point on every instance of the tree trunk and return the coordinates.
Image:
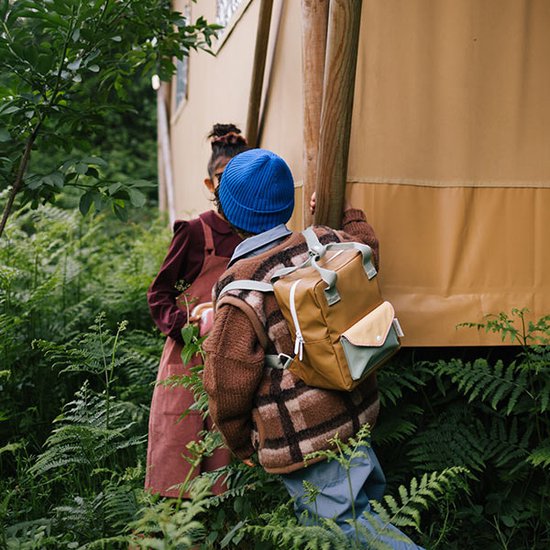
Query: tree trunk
(314, 40)
(338, 90)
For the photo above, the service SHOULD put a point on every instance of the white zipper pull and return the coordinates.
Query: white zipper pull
(299, 346)
(299, 342)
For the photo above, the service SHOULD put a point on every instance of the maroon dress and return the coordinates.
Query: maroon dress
(168, 434)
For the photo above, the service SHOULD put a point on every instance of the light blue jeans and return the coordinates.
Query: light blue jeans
(334, 500)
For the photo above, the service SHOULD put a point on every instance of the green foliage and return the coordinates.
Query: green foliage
(280, 529)
(62, 473)
(464, 441)
(166, 526)
(528, 333)
(66, 66)
(404, 511)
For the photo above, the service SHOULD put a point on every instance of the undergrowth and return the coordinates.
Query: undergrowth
(465, 443)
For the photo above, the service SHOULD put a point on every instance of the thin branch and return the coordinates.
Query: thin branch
(23, 163)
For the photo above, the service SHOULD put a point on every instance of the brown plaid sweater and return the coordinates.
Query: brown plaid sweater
(258, 408)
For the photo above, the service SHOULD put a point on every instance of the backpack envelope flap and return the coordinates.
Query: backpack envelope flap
(373, 328)
(370, 342)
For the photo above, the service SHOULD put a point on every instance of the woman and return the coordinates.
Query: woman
(198, 255)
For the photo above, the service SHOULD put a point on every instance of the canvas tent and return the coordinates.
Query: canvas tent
(449, 149)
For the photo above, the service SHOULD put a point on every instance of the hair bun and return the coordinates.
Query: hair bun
(231, 138)
(219, 130)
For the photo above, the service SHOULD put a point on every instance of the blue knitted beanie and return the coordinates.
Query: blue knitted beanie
(257, 191)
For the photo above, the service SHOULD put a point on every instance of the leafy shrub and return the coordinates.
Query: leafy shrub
(464, 442)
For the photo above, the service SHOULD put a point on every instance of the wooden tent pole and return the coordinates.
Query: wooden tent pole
(270, 63)
(338, 89)
(258, 68)
(166, 151)
(314, 41)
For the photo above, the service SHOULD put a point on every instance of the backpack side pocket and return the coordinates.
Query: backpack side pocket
(370, 342)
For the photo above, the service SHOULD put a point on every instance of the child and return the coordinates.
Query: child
(198, 254)
(264, 409)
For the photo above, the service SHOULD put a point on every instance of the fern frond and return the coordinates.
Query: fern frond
(119, 506)
(244, 481)
(81, 436)
(182, 526)
(540, 457)
(394, 378)
(492, 384)
(396, 425)
(508, 445)
(284, 532)
(455, 438)
(404, 511)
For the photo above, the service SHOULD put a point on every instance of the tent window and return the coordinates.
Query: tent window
(182, 77)
(225, 9)
(182, 70)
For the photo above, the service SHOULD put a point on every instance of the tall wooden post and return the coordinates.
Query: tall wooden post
(163, 129)
(314, 40)
(338, 90)
(258, 69)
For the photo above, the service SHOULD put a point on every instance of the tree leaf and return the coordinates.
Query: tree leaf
(81, 168)
(114, 187)
(3, 8)
(10, 110)
(55, 179)
(75, 65)
(45, 62)
(85, 202)
(187, 333)
(98, 161)
(120, 212)
(137, 198)
(92, 172)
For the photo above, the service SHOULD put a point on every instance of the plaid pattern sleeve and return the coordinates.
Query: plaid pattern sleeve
(355, 224)
(232, 373)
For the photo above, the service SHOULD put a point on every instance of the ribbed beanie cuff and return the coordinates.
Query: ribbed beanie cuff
(257, 191)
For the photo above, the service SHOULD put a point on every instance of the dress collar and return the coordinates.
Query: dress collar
(260, 243)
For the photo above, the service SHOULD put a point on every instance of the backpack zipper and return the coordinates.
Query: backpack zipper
(299, 342)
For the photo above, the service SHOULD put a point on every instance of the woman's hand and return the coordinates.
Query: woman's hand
(199, 310)
(313, 203)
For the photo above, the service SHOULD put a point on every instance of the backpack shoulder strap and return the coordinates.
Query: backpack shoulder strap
(250, 313)
(246, 284)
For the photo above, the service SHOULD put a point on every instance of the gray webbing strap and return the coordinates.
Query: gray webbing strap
(366, 252)
(315, 246)
(280, 361)
(246, 284)
(313, 243)
(284, 271)
(316, 251)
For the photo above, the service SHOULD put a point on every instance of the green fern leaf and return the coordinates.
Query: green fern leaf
(540, 457)
(491, 384)
(454, 438)
(418, 496)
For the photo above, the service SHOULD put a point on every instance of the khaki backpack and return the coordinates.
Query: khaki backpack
(342, 328)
